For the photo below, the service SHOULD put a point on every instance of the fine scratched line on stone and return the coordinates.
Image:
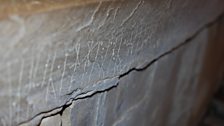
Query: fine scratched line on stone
(132, 13)
(64, 70)
(100, 111)
(37, 62)
(106, 53)
(101, 70)
(97, 110)
(10, 92)
(50, 81)
(91, 47)
(91, 19)
(51, 78)
(97, 53)
(126, 114)
(77, 62)
(141, 101)
(116, 12)
(20, 86)
(31, 71)
(77, 52)
(45, 70)
(108, 13)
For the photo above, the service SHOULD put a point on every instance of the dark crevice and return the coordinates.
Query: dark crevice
(63, 108)
(60, 112)
(53, 114)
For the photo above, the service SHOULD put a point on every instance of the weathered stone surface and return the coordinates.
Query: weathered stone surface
(173, 91)
(51, 58)
(52, 121)
(29, 7)
(66, 117)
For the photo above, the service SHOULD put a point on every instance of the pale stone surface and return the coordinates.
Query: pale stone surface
(168, 93)
(51, 121)
(171, 92)
(66, 117)
(52, 58)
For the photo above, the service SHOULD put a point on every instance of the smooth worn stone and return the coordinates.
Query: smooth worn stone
(54, 54)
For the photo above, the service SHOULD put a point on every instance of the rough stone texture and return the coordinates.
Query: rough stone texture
(173, 91)
(52, 121)
(51, 59)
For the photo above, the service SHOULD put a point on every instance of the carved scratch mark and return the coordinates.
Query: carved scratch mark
(117, 10)
(84, 72)
(91, 19)
(118, 52)
(37, 63)
(101, 70)
(100, 112)
(98, 48)
(145, 98)
(97, 53)
(108, 13)
(20, 85)
(132, 13)
(77, 63)
(63, 72)
(97, 110)
(45, 70)
(91, 46)
(135, 106)
(50, 81)
(10, 92)
(31, 72)
(117, 59)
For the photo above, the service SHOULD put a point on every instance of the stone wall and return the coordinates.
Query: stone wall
(130, 62)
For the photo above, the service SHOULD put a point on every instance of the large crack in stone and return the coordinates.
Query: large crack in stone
(108, 83)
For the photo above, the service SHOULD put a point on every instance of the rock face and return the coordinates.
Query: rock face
(130, 62)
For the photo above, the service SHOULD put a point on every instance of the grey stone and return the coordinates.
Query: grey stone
(51, 121)
(53, 58)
